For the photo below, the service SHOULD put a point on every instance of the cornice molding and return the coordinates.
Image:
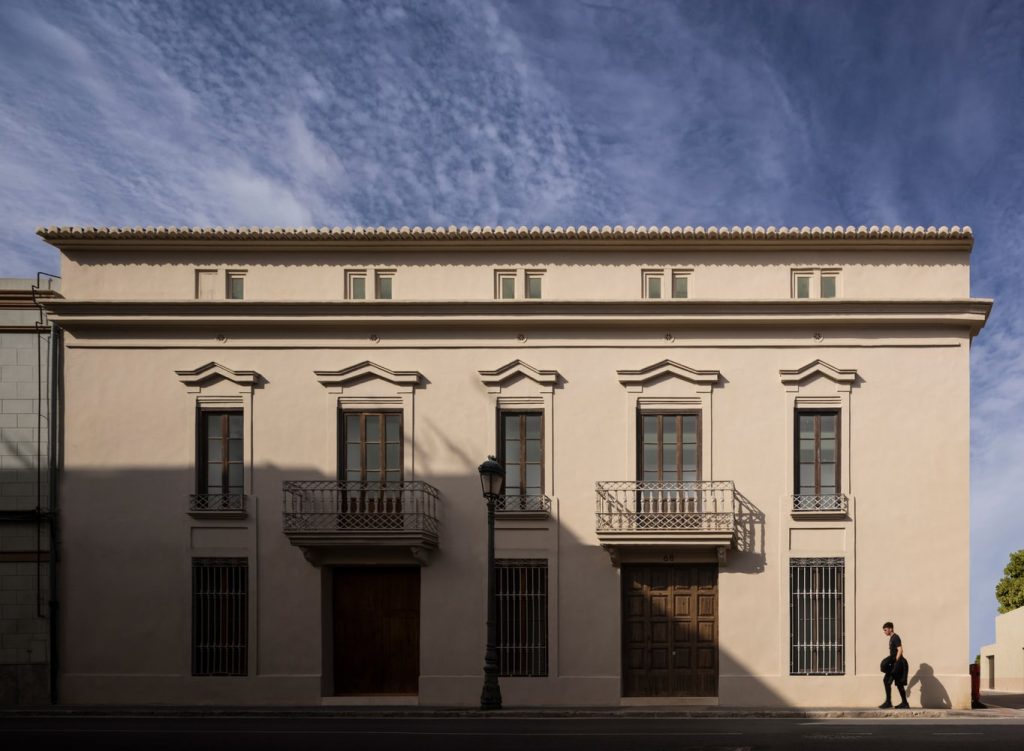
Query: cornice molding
(668, 367)
(517, 368)
(367, 370)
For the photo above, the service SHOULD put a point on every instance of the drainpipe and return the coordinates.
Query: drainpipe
(55, 447)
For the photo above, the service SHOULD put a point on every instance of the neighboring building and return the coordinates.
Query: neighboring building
(1002, 663)
(24, 492)
(730, 455)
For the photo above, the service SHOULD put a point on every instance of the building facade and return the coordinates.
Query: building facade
(730, 455)
(1002, 663)
(25, 532)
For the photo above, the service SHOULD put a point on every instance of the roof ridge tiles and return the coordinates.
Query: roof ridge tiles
(838, 232)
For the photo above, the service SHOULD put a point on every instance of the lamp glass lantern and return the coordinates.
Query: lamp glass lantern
(492, 477)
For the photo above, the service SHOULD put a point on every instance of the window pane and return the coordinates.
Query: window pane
(669, 428)
(213, 477)
(807, 475)
(393, 426)
(806, 451)
(352, 456)
(803, 286)
(512, 426)
(654, 287)
(214, 450)
(214, 420)
(689, 457)
(533, 426)
(383, 287)
(828, 426)
(236, 287)
(353, 473)
(533, 451)
(358, 287)
(828, 478)
(533, 286)
(512, 473)
(235, 449)
(690, 428)
(651, 456)
(508, 287)
(533, 478)
(828, 450)
(828, 286)
(235, 425)
(352, 428)
(680, 286)
(807, 426)
(372, 458)
(394, 452)
(650, 429)
(235, 477)
(373, 428)
(668, 455)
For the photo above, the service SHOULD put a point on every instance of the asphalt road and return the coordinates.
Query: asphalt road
(501, 734)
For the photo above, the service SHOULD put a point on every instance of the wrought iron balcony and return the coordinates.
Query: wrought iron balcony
(701, 513)
(835, 504)
(324, 513)
(216, 504)
(523, 504)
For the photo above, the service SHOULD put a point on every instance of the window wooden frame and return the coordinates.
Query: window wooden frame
(503, 415)
(678, 415)
(203, 462)
(343, 469)
(817, 414)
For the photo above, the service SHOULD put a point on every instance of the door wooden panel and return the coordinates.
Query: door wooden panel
(670, 630)
(376, 630)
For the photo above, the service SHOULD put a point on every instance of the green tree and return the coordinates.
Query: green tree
(1010, 589)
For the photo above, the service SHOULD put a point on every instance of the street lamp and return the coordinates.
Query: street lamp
(492, 477)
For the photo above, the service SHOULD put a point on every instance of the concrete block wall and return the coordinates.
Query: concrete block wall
(24, 544)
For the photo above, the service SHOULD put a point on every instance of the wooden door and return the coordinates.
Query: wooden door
(376, 630)
(670, 630)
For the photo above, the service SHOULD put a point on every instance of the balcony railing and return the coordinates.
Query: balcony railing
(325, 512)
(216, 504)
(528, 504)
(836, 503)
(687, 510)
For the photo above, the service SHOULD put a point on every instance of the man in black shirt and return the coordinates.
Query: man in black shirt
(898, 669)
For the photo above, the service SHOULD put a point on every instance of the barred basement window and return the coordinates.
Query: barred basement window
(220, 616)
(521, 589)
(816, 616)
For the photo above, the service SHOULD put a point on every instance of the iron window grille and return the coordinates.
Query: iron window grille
(817, 616)
(521, 588)
(220, 616)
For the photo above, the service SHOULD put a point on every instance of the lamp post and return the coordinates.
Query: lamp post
(492, 476)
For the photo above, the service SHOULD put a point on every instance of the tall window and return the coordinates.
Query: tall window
(521, 590)
(235, 285)
(371, 447)
(817, 453)
(221, 453)
(220, 616)
(522, 452)
(669, 447)
(816, 616)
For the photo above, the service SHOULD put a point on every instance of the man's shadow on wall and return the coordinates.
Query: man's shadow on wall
(933, 693)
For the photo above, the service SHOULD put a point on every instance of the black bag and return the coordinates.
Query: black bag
(886, 665)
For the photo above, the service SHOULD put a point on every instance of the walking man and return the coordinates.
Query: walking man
(898, 669)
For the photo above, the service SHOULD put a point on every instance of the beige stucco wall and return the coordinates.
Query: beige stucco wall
(1002, 663)
(129, 468)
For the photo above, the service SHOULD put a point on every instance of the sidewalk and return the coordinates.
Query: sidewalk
(371, 712)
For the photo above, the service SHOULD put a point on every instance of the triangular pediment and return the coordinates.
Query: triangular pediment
(518, 369)
(817, 368)
(669, 368)
(204, 375)
(368, 370)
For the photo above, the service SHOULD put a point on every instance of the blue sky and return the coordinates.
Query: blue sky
(639, 112)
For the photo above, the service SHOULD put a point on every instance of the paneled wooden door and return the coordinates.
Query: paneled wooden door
(670, 630)
(376, 630)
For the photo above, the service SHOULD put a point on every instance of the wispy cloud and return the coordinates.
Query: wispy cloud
(500, 112)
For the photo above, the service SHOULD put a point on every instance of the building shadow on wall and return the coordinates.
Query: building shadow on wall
(749, 555)
(933, 694)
